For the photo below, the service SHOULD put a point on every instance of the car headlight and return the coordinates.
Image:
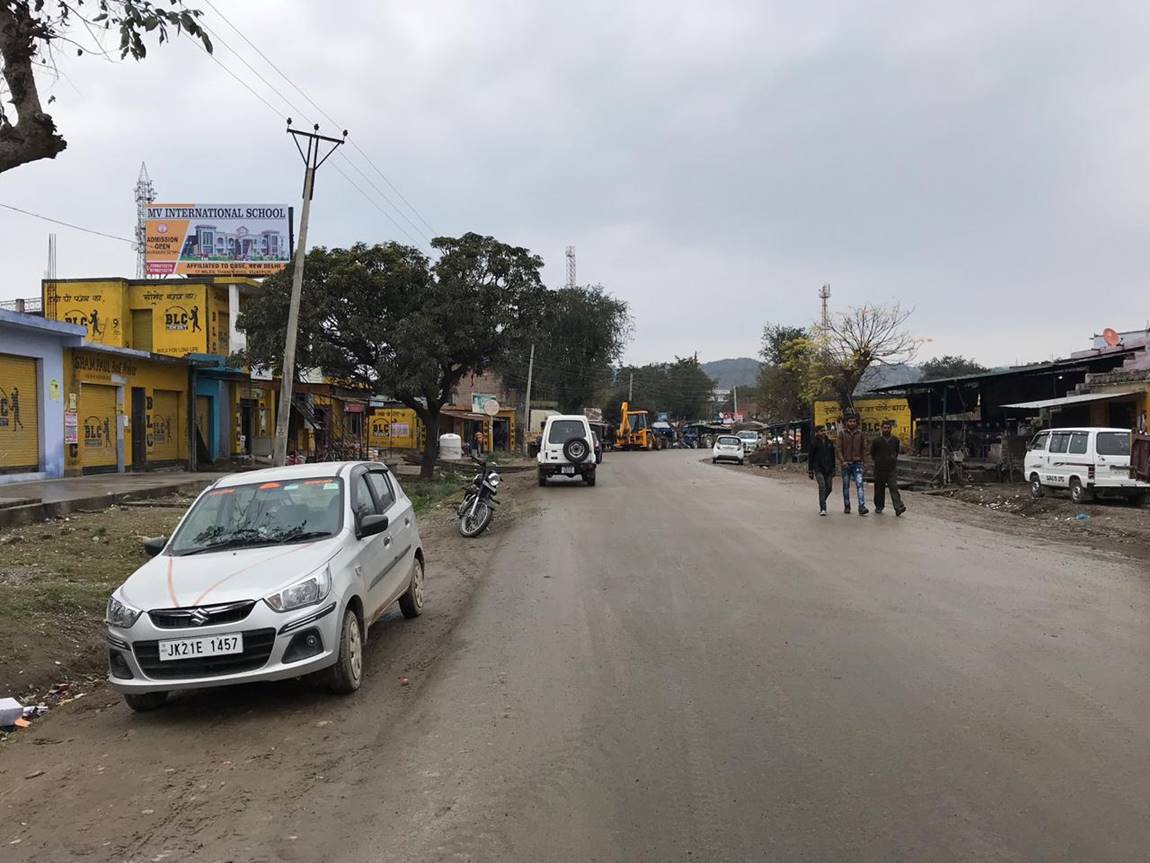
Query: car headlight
(120, 615)
(307, 591)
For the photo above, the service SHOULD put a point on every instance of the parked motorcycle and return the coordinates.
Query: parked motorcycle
(478, 506)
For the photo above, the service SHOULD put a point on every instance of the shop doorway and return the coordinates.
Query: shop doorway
(139, 429)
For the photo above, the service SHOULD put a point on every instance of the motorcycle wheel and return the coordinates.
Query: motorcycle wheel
(473, 525)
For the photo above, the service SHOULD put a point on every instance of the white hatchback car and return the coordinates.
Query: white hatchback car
(271, 574)
(1086, 461)
(727, 448)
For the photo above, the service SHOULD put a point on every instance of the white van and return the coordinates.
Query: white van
(1087, 461)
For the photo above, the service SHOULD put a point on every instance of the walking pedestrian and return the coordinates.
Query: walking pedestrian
(851, 449)
(821, 465)
(479, 438)
(884, 452)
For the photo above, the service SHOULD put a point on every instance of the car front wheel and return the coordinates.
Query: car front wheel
(347, 673)
(144, 701)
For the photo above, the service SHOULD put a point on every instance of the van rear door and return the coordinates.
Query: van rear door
(1112, 450)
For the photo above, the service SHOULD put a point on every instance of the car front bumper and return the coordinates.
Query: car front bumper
(275, 648)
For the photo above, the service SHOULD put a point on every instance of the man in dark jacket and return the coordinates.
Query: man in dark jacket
(821, 465)
(851, 449)
(884, 451)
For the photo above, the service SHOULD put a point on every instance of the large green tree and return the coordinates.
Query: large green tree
(32, 31)
(949, 366)
(383, 317)
(680, 388)
(781, 380)
(579, 337)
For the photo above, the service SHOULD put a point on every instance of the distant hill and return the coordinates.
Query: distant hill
(888, 376)
(736, 372)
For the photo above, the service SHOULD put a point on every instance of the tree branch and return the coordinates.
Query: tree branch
(33, 136)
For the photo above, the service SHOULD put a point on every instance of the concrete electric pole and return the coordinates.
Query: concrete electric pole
(631, 389)
(527, 399)
(312, 161)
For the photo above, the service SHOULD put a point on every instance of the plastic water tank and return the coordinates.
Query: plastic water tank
(450, 446)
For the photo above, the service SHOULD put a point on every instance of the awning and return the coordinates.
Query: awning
(466, 415)
(1073, 400)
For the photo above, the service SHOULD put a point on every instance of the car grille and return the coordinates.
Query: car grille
(257, 648)
(184, 618)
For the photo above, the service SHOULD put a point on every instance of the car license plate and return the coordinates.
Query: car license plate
(569, 469)
(209, 645)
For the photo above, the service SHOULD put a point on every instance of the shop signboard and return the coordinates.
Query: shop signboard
(217, 239)
(871, 411)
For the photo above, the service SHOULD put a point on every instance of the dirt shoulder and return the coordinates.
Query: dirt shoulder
(1111, 526)
(93, 779)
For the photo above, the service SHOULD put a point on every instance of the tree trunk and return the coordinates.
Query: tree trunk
(430, 418)
(33, 135)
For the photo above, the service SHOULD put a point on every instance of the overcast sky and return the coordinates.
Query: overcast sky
(712, 163)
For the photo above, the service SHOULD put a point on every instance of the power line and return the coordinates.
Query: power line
(276, 111)
(67, 224)
(326, 115)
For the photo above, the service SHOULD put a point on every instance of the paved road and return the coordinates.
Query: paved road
(681, 664)
(685, 663)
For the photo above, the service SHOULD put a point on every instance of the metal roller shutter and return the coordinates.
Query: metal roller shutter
(166, 429)
(19, 415)
(98, 418)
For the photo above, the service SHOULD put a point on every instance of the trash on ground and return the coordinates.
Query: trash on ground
(1082, 517)
(10, 711)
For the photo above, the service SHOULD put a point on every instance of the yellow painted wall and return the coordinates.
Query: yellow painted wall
(100, 306)
(218, 321)
(101, 386)
(19, 415)
(394, 428)
(180, 318)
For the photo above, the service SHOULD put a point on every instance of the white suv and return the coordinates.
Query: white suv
(1086, 461)
(271, 574)
(567, 448)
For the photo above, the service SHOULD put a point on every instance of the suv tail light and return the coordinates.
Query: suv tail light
(1090, 472)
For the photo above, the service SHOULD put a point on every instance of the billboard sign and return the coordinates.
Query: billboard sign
(871, 412)
(217, 239)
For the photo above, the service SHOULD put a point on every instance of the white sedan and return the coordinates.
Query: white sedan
(271, 574)
(727, 448)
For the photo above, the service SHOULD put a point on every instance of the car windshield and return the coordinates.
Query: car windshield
(258, 514)
(730, 441)
(1113, 443)
(748, 435)
(563, 430)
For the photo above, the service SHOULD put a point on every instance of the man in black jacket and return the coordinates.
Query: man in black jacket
(821, 465)
(884, 451)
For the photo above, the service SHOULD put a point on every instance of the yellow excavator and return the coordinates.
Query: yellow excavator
(634, 430)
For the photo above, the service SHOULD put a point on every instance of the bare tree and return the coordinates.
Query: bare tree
(30, 33)
(862, 337)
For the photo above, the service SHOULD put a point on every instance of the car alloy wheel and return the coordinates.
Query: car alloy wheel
(411, 603)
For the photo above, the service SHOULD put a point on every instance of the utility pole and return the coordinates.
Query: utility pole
(631, 389)
(735, 398)
(312, 161)
(527, 399)
(825, 296)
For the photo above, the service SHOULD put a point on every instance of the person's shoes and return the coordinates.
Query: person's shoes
(863, 510)
(878, 510)
(900, 510)
(847, 509)
(822, 512)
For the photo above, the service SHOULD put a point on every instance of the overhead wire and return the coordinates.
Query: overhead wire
(331, 120)
(67, 224)
(279, 114)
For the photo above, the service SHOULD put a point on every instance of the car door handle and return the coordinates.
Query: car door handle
(387, 542)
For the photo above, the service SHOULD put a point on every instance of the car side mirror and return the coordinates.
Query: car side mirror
(155, 545)
(372, 524)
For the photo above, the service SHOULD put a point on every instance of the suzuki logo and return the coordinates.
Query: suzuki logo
(200, 617)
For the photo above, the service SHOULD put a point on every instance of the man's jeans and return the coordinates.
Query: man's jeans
(825, 482)
(853, 470)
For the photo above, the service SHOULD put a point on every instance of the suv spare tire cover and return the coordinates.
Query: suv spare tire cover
(576, 450)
